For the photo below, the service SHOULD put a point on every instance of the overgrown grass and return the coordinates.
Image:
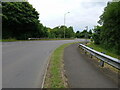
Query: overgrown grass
(54, 77)
(100, 49)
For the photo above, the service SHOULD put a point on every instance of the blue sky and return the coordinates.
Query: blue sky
(82, 12)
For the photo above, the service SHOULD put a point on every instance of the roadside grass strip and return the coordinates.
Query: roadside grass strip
(55, 77)
(107, 52)
(100, 49)
(13, 40)
(8, 40)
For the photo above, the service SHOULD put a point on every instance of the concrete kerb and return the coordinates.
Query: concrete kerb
(46, 69)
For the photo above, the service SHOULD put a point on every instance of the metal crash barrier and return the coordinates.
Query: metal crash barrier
(104, 58)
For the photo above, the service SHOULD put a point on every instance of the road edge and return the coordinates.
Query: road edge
(46, 69)
(63, 72)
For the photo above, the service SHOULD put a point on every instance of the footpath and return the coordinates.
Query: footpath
(81, 72)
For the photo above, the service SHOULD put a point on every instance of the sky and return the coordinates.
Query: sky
(82, 12)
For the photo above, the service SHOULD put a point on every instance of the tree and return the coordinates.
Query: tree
(77, 34)
(84, 34)
(69, 32)
(96, 34)
(110, 19)
(20, 20)
(58, 32)
(90, 33)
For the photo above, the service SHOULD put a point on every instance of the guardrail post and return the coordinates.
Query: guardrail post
(102, 63)
(101, 56)
(90, 55)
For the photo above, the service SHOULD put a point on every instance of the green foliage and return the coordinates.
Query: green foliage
(54, 77)
(58, 32)
(69, 32)
(96, 34)
(20, 21)
(101, 49)
(84, 34)
(109, 36)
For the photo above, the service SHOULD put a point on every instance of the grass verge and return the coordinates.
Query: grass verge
(55, 77)
(100, 49)
(12, 40)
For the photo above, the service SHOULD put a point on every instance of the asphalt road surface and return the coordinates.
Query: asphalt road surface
(82, 73)
(23, 62)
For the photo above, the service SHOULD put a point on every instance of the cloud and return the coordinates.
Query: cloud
(82, 12)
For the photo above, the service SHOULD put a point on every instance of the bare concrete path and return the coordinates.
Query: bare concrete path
(81, 73)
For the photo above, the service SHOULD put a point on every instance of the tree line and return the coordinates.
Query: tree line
(21, 21)
(84, 34)
(61, 32)
(107, 34)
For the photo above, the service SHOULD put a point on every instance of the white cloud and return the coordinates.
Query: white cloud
(82, 12)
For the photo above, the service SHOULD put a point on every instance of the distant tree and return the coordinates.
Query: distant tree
(96, 34)
(90, 34)
(77, 34)
(69, 32)
(83, 34)
(58, 32)
(90, 31)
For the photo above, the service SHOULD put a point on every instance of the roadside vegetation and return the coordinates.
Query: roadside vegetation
(84, 34)
(55, 77)
(42, 39)
(106, 37)
(20, 21)
(8, 40)
(101, 49)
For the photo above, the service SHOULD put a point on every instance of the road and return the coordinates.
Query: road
(23, 62)
(82, 72)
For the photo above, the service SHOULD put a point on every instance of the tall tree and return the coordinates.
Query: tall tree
(110, 20)
(20, 20)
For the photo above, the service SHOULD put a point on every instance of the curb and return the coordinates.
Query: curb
(46, 69)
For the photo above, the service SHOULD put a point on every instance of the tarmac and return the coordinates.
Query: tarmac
(81, 72)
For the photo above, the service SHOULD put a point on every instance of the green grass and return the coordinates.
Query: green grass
(100, 49)
(54, 77)
(12, 40)
(8, 40)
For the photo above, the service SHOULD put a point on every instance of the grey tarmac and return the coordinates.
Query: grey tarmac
(81, 72)
(24, 62)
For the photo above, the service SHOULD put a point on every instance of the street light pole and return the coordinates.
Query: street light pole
(64, 22)
(86, 33)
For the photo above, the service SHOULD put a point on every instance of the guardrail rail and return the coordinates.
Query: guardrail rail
(104, 58)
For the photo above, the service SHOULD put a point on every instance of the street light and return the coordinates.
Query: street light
(86, 33)
(64, 22)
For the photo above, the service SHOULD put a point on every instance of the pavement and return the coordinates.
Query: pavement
(81, 72)
(24, 62)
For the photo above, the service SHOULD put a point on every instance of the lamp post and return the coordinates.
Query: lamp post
(86, 36)
(64, 22)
